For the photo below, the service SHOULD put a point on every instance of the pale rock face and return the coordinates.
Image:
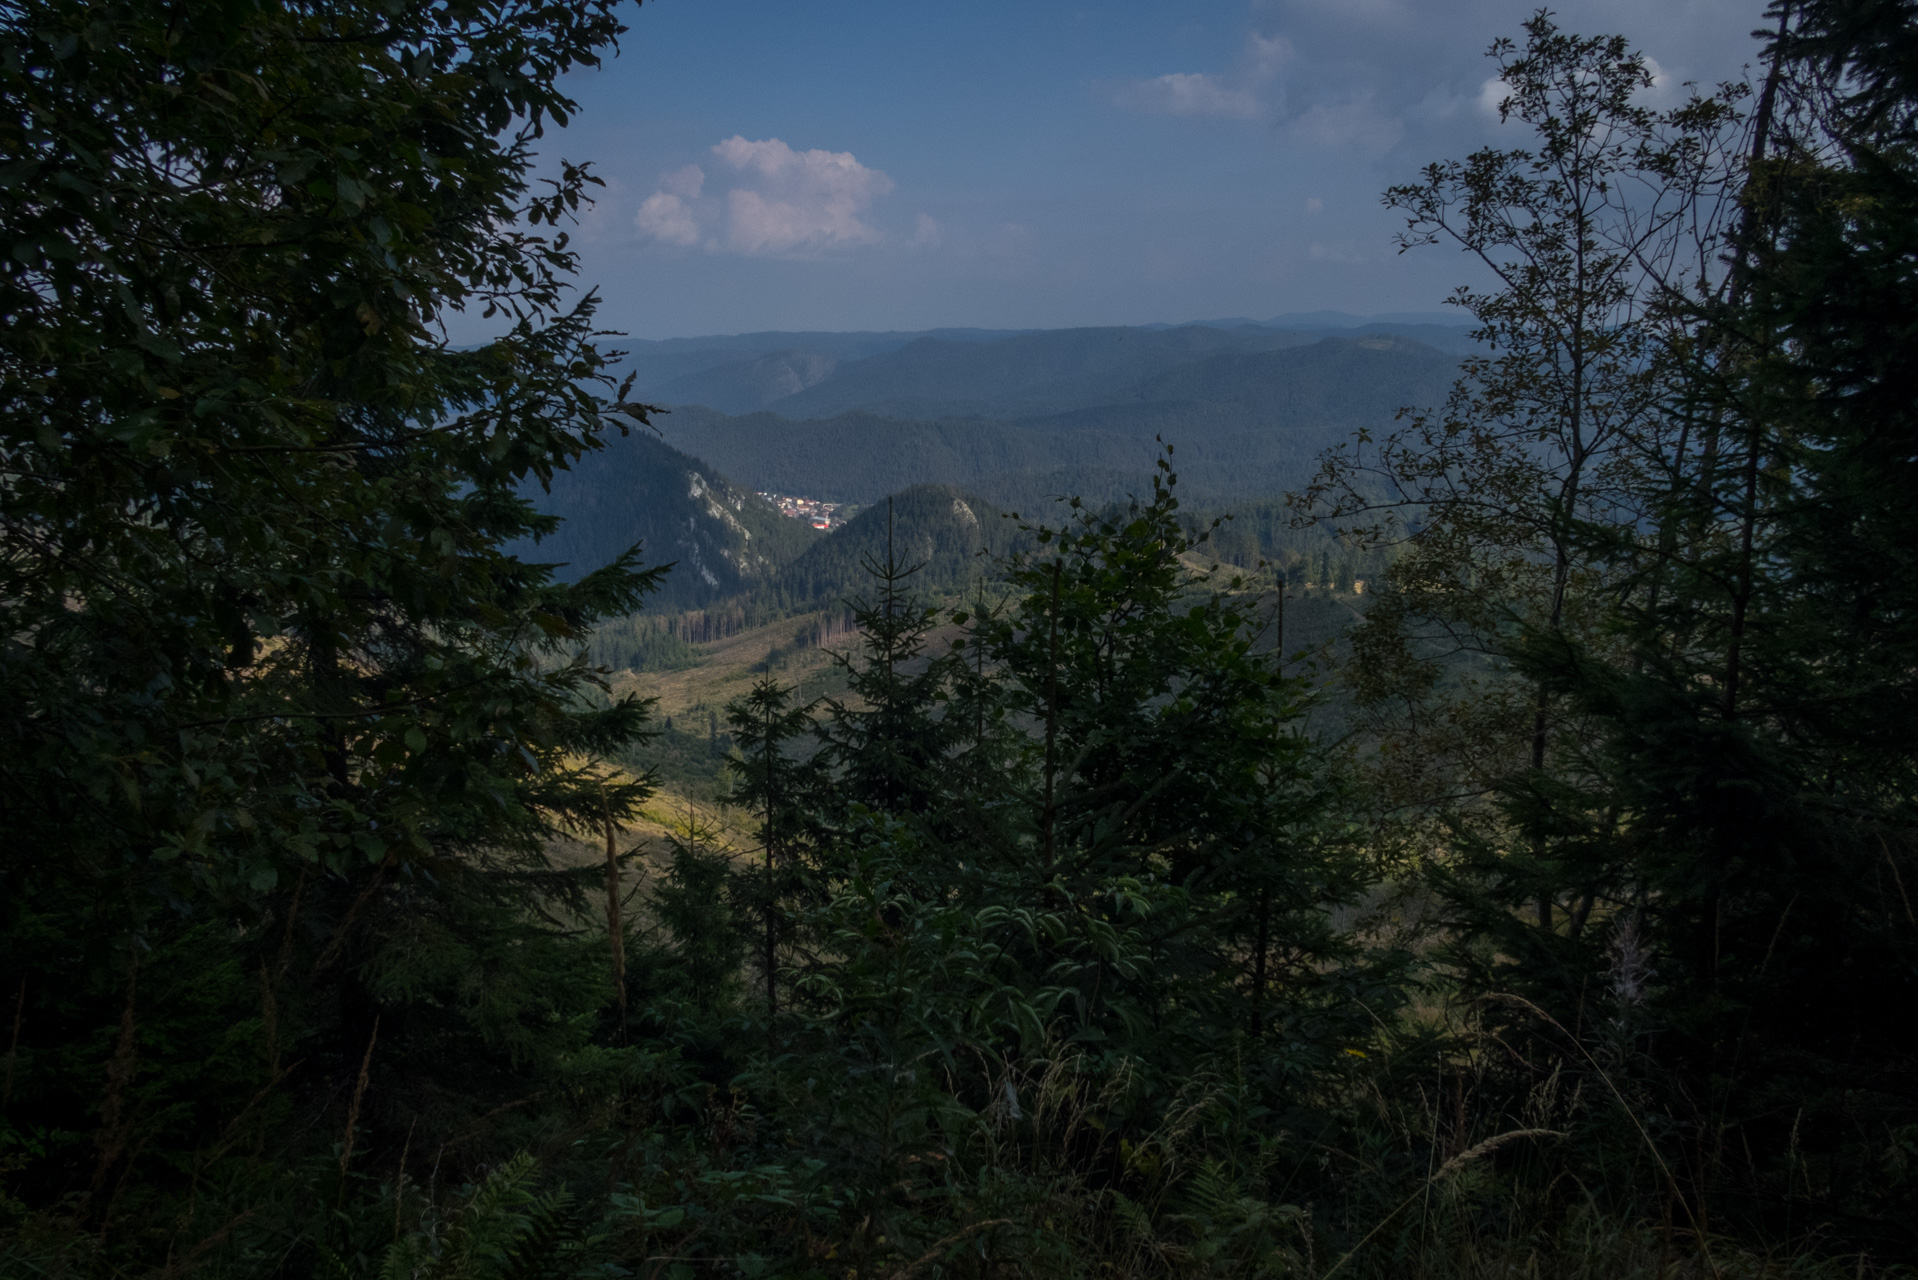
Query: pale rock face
(716, 504)
(690, 545)
(722, 505)
(786, 373)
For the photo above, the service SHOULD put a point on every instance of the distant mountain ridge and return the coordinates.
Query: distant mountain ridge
(1244, 422)
(1346, 320)
(1038, 373)
(993, 422)
(740, 386)
(742, 373)
(655, 363)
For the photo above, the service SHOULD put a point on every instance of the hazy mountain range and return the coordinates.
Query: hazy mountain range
(1247, 419)
(948, 372)
(1000, 420)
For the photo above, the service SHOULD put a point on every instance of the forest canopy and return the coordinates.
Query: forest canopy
(1061, 937)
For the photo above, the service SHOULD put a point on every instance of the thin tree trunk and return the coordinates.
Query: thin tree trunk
(1748, 513)
(615, 931)
(772, 924)
(1259, 960)
(1048, 816)
(13, 1043)
(1278, 645)
(1561, 571)
(111, 1140)
(353, 1110)
(1741, 600)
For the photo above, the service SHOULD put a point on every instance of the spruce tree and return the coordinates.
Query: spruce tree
(284, 729)
(1172, 814)
(782, 793)
(888, 740)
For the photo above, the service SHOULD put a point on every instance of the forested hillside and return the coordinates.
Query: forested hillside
(1245, 425)
(720, 538)
(741, 373)
(1012, 376)
(856, 457)
(656, 364)
(945, 533)
(1019, 376)
(1494, 858)
(742, 386)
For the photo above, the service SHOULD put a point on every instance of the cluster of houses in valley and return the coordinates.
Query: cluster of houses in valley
(821, 515)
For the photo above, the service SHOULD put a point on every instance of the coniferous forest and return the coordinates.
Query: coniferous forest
(1557, 920)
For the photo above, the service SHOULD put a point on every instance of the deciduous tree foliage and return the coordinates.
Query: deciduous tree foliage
(1608, 212)
(1725, 814)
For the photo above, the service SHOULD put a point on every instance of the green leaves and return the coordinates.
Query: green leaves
(1685, 572)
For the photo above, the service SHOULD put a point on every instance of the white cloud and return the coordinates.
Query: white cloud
(926, 233)
(1236, 94)
(687, 182)
(1315, 205)
(1665, 89)
(1344, 254)
(805, 201)
(667, 218)
(1492, 95)
(1267, 54)
(1189, 94)
(787, 203)
(1352, 124)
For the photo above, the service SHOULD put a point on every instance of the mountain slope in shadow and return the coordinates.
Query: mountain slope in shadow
(721, 536)
(1017, 376)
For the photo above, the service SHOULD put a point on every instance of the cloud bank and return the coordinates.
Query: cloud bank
(1379, 75)
(1237, 94)
(781, 202)
(1186, 93)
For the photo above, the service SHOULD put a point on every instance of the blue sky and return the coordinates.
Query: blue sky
(853, 164)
